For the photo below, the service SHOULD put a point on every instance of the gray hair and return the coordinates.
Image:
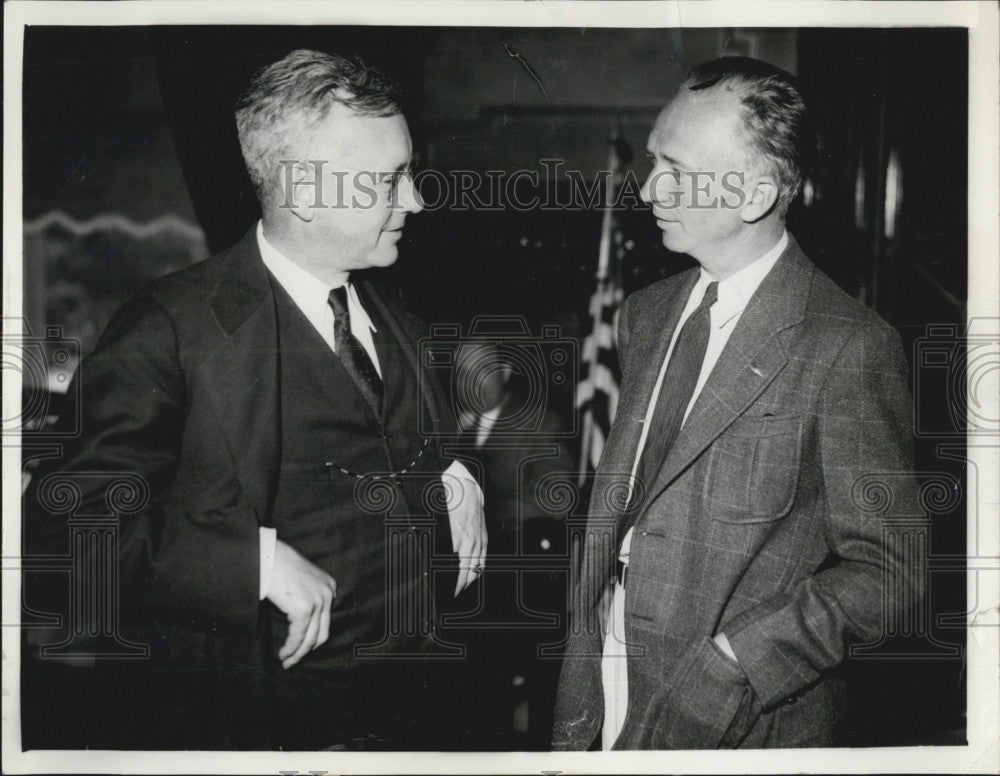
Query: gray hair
(291, 97)
(773, 113)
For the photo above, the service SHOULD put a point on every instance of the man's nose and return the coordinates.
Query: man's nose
(409, 197)
(645, 193)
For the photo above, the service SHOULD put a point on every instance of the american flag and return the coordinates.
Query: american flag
(597, 393)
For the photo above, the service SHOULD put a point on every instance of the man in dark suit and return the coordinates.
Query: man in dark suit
(722, 591)
(274, 411)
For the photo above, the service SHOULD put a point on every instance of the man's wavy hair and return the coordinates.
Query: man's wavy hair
(287, 99)
(776, 126)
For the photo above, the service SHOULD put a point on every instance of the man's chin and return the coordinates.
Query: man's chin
(671, 243)
(383, 256)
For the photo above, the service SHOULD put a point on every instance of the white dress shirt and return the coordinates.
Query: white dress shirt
(734, 294)
(310, 295)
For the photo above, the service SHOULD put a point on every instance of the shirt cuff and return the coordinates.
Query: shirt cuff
(268, 543)
(459, 471)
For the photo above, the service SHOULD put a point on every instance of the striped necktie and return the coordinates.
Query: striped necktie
(352, 353)
(679, 381)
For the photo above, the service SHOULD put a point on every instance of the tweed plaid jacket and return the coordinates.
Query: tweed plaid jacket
(754, 525)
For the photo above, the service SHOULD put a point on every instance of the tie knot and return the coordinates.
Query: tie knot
(338, 302)
(711, 295)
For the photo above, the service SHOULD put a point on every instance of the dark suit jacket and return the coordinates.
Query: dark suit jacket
(755, 526)
(181, 396)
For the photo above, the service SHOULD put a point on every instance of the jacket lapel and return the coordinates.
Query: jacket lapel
(750, 361)
(242, 373)
(407, 333)
(648, 344)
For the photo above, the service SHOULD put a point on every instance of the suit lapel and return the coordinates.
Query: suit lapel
(242, 374)
(385, 312)
(750, 361)
(648, 344)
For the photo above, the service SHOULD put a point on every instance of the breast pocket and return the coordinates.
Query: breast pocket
(753, 469)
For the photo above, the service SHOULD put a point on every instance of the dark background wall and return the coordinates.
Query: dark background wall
(138, 122)
(131, 169)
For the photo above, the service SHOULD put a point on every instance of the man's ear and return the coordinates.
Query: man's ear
(302, 191)
(762, 195)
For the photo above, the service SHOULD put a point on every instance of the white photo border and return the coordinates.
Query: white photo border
(981, 755)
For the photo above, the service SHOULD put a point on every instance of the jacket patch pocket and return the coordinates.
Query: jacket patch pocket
(753, 469)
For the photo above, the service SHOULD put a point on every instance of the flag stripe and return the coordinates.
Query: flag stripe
(597, 392)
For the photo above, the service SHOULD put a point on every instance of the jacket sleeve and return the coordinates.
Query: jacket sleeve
(195, 568)
(864, 446)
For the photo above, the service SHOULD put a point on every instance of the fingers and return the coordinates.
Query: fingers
(481, 540)
(324, 614)
(308, 642)
(296, 633)
(310, 628)
(465, 562)
(465, 578)
(468, 559)
(470, 542)
(471, 569)
(324, 626)
(316, 630)
(305, 594)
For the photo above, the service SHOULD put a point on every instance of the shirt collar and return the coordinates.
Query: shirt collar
(735, 291)
(309, 293)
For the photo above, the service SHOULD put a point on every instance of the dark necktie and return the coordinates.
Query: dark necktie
(352, 353)
(678, 385)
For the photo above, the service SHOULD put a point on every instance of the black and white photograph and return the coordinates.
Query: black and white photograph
(501, 387)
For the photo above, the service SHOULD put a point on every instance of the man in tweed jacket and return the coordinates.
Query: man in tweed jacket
(737, 559)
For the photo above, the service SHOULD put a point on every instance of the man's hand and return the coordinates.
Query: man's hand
(468, 525)
(304, 593)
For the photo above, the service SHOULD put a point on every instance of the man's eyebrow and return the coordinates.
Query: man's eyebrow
(408, 164)
(666, 158)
